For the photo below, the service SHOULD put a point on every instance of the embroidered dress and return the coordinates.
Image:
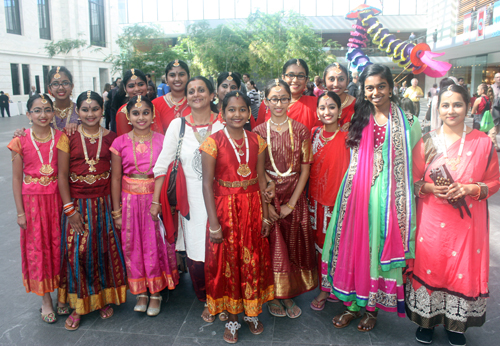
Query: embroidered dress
(40, 241)
(93, 269)
(303, 111)
(167, 111)
(123, 126)
(149, 258)
(60, 123)
(292, 239)
(236, 271)
(331, 159)
(448, 280)
(372, 229)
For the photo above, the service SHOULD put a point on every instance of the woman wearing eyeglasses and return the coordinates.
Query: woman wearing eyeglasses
(300, 108)
(61, 87)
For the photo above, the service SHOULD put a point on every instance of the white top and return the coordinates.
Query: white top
(192, 233)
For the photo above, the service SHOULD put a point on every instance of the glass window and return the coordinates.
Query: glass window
(226, 8)
(408, 7)
(341, 8)
(97, 29)
(324, 8)
(149, 11)
(165, 10)
(276, 6)
(14, 73)
(195, 10)
(44, 19)
(259, 5)
(134, 12)
(242, 8)
(12, 17)
(308, 8)
(292, 5)
(180, 10)
(390, 7)
(45, 78)
(122, 12)
(210, 9)
(26, 79)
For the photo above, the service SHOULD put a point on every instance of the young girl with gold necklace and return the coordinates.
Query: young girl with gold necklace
(234, 184)
(34, 182)
(287, 165)
(150, 259)
(93, 269)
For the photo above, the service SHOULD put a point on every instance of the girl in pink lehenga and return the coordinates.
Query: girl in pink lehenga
(149, 258)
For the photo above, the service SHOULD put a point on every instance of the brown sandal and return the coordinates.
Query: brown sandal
(366, 321)
(344, 319)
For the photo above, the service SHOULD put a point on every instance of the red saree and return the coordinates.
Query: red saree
(347, 113)
(236, 271)
(167, 111)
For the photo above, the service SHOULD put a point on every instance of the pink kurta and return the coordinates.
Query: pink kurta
(149, 258)
(448, 279)
(40, 241)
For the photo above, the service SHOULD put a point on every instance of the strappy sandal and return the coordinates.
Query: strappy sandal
(320, 304)
(289, 310)
(365, 322)
(233, 327)
(63, 310)
(104, 312)
(142, 307)
(74, 317)
(269, 304)
(154, 311)
(345, 318)
(223, 316)
(253, 324)
(210, 319)
(49, 318)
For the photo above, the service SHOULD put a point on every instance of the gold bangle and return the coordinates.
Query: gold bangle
(289, 206)
(267, 221)
(19, 215)
(216, 231)
(116, 212)
(157, 203)
(116, 216)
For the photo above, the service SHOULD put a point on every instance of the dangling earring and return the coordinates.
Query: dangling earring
(31, 122)
(129, 121)
(216, 100)
(126, 94)
(267, 109)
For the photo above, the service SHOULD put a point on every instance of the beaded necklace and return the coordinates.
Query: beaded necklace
(268, 139)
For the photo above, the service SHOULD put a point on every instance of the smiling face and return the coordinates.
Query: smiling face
(336, 80)
(275, 102)
(41, 114)
(296, 78)
(377, 91)
(452, 109)
(177, 78)
(61, 88)
(225, 87)
(236, 113)
(141, 117)
(328, 111)
(198, 95)
(136, 87)
(90, 114)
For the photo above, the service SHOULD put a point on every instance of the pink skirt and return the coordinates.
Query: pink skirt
(41, 243)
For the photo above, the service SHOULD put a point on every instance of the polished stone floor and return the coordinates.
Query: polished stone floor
(179, 322)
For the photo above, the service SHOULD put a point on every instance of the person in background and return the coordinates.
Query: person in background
(481, 105)
(316, 81)
(242, 87)
(113, 110)
(246, 78)
(163, 88)
(151, 94)
(4, 104)
(352, 88)
(148, 77)
(320, 88)
(309, 90)
(495, 88)
(107, 106)
(395, 90)
(253, 94)
(403, 88)
(33, 91)
(414, 93)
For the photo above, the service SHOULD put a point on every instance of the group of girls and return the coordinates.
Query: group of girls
(258, 234)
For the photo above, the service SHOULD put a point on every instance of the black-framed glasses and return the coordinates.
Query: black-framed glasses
(298, 76)
(275, 100)
(57, 84)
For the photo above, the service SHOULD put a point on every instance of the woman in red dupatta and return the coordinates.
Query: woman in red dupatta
(301, 108)
(448, 280)
(174, 104)
(336, 79)
(331, 160)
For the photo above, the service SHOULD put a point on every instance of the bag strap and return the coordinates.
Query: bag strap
(179, 144)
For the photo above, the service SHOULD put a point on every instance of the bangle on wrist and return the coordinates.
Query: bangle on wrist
(215, 231)
(267, 221)
(478, 194)
(70, 214)
(157, 203)
(19, 215)
(269, 182)
(289, 206)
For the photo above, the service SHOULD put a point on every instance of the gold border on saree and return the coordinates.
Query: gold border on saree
(244, 184)
(89, 178)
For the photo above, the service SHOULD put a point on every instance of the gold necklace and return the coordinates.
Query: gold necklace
(327, 139)
(197, 135)
(95, 161)
(345, 102)
(176, 104)
(144, 138)
(65, 113)
(41, 140)
(287, 173)
(92, 138)
(239, 146)
(293, 102)
(150, 154)
(278, 126)
(46, 169)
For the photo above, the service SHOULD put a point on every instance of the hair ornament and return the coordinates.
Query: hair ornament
(338, 70)
(237, 95)
(57, 75)
(138, 104)
(326, 97)
(89, 100)
(229, 77)
(277, 81)
(134, 77)
(176, 63)
(449, 92)
(44, 100)
(298, 62)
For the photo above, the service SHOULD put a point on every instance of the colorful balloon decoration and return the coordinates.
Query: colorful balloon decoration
(406, 54)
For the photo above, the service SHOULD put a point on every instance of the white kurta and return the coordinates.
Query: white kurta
(191, 232)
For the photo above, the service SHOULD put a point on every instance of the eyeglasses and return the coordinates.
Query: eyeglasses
(298, 76)
(40, 111)
(275, 100)
(57, 84)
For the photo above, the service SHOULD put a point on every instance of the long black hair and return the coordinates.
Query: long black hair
(223, 76)
(120, 98)
(93, 96)
(210, 87)
(298, 62)
(363, 108)
(32, 99)
(181, 63)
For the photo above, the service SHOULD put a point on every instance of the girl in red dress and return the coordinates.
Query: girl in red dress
(237, 255)
(38, 205)
(336, 79)
(134, 83)
(331, 160)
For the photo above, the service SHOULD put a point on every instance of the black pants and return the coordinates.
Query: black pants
(5, 109)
